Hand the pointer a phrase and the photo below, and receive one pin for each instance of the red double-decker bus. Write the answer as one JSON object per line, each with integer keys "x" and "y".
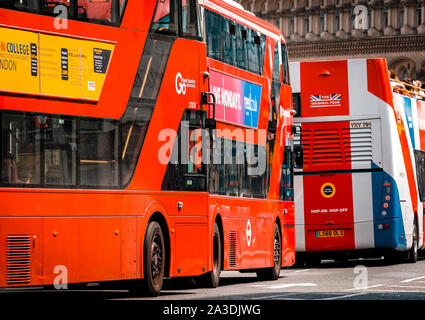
{"x": 142, "y": 140}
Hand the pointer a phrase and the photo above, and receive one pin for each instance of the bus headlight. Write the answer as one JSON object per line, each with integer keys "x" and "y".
{"x": 384, "y": 213}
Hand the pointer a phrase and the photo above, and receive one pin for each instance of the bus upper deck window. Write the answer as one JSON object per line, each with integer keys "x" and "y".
{"x": 285, "y": 65}
{"x": 189, "y": 18}
{"x": 105, "y": 11}
{"x": 95, "y": 9}
{"x": 165, "y": 18}
{"x": 50, "y": 5}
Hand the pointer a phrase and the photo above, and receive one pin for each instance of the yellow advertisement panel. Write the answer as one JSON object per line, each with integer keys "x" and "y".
{"x": 36, "y": 63}
{"x": 18, "y": 61}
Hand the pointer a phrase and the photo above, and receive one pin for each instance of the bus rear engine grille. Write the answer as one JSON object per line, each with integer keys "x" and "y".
{"x": 18, "y": 259}
{"x": 337, "y": 146}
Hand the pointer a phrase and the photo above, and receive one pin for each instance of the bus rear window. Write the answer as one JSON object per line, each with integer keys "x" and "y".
{"x": 97, "y": 11}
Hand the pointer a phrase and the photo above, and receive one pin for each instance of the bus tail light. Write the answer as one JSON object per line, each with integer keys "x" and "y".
{"x": 383, "y": 226}
{"x": 386, "y": 208}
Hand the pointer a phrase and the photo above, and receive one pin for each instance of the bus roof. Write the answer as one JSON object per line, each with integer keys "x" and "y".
{"x": 239, "y": 14}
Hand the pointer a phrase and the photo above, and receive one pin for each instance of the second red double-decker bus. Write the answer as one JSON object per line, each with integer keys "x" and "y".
{"x": 142, "y": 140}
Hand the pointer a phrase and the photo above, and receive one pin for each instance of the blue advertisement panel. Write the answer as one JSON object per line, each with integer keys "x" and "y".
{"x": 237, "y": 101}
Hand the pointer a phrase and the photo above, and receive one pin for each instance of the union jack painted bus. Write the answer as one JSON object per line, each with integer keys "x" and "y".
{"x": 361, "y": 189}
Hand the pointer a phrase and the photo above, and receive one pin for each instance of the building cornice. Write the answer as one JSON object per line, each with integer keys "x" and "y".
{"x": 311, "y": 49}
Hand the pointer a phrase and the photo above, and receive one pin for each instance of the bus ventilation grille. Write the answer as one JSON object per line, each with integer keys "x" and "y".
{"x": 232, "y": 248}
{"x": 18, "y": 265}
{"x": 337, "y": 146}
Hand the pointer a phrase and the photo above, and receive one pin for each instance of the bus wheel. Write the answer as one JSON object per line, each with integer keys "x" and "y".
{"x": 154, "y": 259}
{"x": 212, "y": 278}
{"x": 413, "y": 253}
{"x": 274, "y": 272}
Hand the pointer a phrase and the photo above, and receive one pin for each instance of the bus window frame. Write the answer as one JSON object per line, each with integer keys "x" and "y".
{"x": 201, "y": 22}
{"x": 285, "y": 80}
{"x": 242, "y": 44}
{"x": 182, "y": 34}
{"x": 170, "y": 33}
{"x": 178, "y": 33}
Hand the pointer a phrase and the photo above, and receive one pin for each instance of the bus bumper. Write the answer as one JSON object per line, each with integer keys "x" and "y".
{"x": 390, "y": 234}
{"x": 382, "y": 234}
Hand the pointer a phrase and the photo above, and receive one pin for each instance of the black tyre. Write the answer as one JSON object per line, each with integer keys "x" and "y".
{"x": 212, "y": 278}
{"x": 413, "y": 253}
{"x": 154, "y": 259}
{"x": 274, "y": 272}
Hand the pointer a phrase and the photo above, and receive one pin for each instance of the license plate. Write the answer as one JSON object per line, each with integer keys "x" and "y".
{"x": 329, "y": 233}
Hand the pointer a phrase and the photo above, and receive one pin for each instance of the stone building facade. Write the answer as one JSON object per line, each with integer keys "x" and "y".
{"x": 341, "y": 29}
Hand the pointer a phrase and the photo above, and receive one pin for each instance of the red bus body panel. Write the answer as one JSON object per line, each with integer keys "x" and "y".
{"x": 98, "y": 235}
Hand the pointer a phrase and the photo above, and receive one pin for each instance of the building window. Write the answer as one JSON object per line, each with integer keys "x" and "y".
{"x": 337, "y": 25}
{"x": 385, "y": 17}
{"x": 307, "y": 22}
{"x": 291, "y": 26}
{"x": 401, "y": 19}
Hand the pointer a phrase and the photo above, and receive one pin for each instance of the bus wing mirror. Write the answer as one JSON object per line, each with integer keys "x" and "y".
{"x": 208, "y": 98}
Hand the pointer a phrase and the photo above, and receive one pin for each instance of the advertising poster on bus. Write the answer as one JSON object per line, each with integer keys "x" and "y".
{"x": 41, "y": 64}
{"x": 237, "y": 101}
